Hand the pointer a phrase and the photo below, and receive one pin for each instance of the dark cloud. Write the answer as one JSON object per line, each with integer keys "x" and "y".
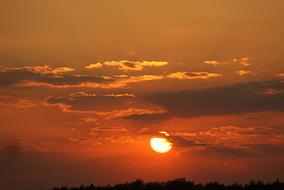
{"x": 180, "y": 141}
{"x": 110, "y": 106}
{"x": 76, "y": 79}
{"x": 10, "y": 77}
{"x": 149, "y": 118}
{"x": 129, "y": 64}
{"x": 235, "y": 99}
{"x": 88, "y": 102}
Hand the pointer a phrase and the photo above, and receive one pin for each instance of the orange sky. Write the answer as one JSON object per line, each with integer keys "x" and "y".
{"x": 84, "y": 85}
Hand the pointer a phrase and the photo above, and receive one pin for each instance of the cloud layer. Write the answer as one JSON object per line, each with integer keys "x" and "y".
{"x": 235, "y": 99}
{"x": 126, "y": 65}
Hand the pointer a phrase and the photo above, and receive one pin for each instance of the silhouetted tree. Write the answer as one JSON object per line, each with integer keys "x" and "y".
{"x": 181, "y": 184}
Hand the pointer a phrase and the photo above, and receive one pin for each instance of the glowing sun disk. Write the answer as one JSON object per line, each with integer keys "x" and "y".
{"x": 161, "y": 145}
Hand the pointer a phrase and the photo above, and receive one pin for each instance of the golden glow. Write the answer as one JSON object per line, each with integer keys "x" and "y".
{"x": 164, "y": 133}
{"x": 161, "y": 145}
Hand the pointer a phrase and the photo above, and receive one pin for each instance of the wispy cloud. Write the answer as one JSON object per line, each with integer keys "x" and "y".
{"x": 82, "y": 94}
{"x": 245, "y": 72}
{"x": 107, "y": 129}
{"x": 103, "y": 106}
{"x": 123, "y": 113}
{"x": 88, "y": 81}
{"x": 126, "y": 65}
{"x": 43, "y": 76}
{"x": 43, "y": 70}
{"x": 120, "y": 95}
{"x": 214, "y": 62}
{"x": 193, "y": 75}
{"x": 229, "y": 140}
{"x": 94, "y": 66}
{"x": 243, "y": 61}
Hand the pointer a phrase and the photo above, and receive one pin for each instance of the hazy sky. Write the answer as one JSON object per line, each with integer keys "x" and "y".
{"x": 85, "y": 84}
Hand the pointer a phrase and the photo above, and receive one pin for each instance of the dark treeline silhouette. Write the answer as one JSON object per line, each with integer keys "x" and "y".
{"x": 181, "y": 184}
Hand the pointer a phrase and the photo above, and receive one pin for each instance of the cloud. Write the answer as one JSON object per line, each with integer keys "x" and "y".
{"x": 224, "y": 140}
{"x": 121, "y": 95}
{"x": 43, "y": 70}
{"x": 105, "y": 106}
{"x": 213, "y": 62}
{"x": 150, "y": 117}
{"x": 231, "y": 141}
{"x": 193, "y": 75}
{"x": 236, "y": 136}
{"x": 139, "y": 78}
{"x": 90, "y": 102}
{"x": 97, "y": 140}
{"x": 82, "y": 94}
{"x": 235, "y": 99}
{"x": 124, "y": 113}
{"x": 180, "y": 141}
{"x": 45, "y": 76}
{"x": 126, "y": 65}
{"x": 42, "y": 76}
{"x": 244, "y": 72}
{"x": 107, "y": 129}
{"x": 79, "y": 85}
{"x": 102, "y": 135}
{"x": 27, "y": 78}
{"x": 243, "y": 61}
{"x": 94, "y": 66}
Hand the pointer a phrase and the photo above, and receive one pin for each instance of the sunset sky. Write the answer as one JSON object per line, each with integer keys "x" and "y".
{"x": 85, "y": 85}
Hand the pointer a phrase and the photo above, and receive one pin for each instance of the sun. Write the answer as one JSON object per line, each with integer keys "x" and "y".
{"x": 161, "y": 145}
